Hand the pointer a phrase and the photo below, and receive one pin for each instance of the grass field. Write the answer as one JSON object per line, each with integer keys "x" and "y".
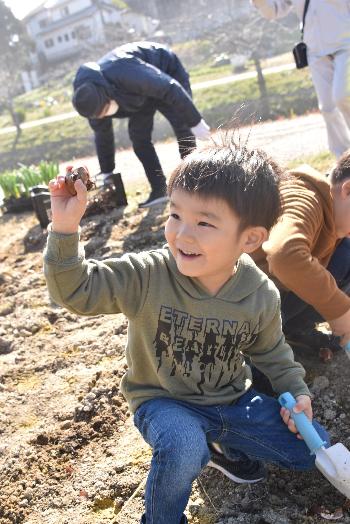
{"x": 290, "y": 93}
{"x": 323, "y": 162}
{"x": 53, "y": 98}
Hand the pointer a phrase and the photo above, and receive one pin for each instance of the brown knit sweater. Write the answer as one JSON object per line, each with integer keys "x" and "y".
{"x": 302, "y": 242}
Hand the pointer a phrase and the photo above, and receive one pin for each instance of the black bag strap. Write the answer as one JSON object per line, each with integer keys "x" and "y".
{"x": 306, "y": 5}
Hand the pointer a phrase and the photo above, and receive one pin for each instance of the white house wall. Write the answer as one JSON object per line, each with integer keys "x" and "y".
{"x": 62, "y": 27}
{"x": 64, "y": 44}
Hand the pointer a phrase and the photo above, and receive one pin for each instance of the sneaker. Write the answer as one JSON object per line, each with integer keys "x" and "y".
{"x": 241, "y": 471}
{"x": 157, "y": 196}
{"x": 313, "y": 339}
{"x": 182, "y": 521}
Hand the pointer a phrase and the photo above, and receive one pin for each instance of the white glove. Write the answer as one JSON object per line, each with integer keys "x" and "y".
{"x": 201, "y": 130}
{"x": 100, "y": 178}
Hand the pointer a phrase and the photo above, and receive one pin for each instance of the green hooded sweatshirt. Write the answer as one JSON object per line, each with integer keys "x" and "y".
{"x": 182, "y": 342}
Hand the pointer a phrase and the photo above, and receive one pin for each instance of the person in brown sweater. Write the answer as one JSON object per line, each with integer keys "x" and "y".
{"x": 308, "y": 251}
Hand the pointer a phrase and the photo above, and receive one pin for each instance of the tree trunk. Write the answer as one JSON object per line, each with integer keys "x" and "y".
{"x": 265, "y": 104}
{"x": 100, "y": 10}
{"x": 16, "y": 122}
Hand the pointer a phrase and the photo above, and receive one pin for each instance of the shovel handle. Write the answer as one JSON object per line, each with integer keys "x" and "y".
{"x": 303, "y": 424}
{"x": 347, "y": 349}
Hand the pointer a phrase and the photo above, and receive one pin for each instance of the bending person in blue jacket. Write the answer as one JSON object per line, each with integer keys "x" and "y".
{"x": 134, "y": 81}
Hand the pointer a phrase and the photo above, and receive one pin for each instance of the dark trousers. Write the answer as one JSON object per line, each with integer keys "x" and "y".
{"x": 140, "y": 132}
{"x": 294, "y": 309}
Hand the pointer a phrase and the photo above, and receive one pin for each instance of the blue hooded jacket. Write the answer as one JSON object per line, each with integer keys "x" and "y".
{"x": 135, "y": 75}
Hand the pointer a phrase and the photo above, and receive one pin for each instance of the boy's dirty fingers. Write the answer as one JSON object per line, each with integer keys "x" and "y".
{"x": 56, "y": 183}
{"x": 81, "y": 190}
{"x": 285, "y": 414}
{"x": 303, "y": 405}
{"x": 53, "y": 184}
{"x": 287, "y": 419}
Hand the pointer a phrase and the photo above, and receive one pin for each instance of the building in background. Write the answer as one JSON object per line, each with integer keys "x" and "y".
{"x": 62, "y": 29}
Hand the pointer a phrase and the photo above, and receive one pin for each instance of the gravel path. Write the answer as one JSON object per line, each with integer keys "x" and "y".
{"x": 285, "y": 140}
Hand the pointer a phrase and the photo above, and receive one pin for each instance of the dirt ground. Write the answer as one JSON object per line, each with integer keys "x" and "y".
{"x": 68, "y": 448}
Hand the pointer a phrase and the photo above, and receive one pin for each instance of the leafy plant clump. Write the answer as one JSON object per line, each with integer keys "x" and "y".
{"x": 18, "y": 183}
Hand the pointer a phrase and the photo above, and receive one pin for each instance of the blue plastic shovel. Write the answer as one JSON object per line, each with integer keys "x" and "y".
{"x": 333, "y": 462}
{"x": 347, "y": 349}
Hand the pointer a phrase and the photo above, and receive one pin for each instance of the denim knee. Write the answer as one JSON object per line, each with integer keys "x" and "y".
{"x": 184, "y": 449}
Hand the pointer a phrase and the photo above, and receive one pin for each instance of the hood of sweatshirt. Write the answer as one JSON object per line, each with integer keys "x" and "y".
{"x": 245, "y": 281}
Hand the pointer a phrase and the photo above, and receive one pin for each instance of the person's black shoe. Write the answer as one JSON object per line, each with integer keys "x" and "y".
{"x": 183, "y": 519}
{"x": 313, "y": 339}
{"x": 156, "y": 196}
{"x": 241, "y": 471}
{"x": 109, "y": 180}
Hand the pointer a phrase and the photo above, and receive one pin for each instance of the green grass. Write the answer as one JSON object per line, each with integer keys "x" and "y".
{"x": 323, "y": 162}
{"x": 290, "y": 93}
{"x": 36, "y": 104}
{"x": 56, "y": 142}
{"x": 205, "y": 72}
{"x": 120, "y": 4}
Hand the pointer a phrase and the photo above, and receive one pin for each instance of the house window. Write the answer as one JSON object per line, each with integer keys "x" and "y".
{"x": 49, "y": 43}
{"x": 59, "y": 38}
{"x": 65, "y": 11}
{"x": 66, "y": 37}
{"x": 73, "y": 34}
{"x": 43, "y": 22}
{"x": 83, "y": 32}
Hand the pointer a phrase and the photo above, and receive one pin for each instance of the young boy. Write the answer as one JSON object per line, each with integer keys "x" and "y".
{"x": 195, "y": 308}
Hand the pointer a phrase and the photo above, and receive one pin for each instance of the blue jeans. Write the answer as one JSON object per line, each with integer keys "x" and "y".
{"x": 179, "y": 433}
{"x": 292, "y": 306}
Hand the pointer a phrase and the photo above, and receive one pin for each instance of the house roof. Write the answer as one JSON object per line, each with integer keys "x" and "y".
{"x": 35, "y": 11}
{"x": 50, "y": 4}
{"x": 66, "y": 19}
{"x": 63, "y": 22}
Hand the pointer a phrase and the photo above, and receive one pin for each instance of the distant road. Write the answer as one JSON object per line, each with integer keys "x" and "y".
{"x": 201, "y": 85}
{"x": 284, "y": 140}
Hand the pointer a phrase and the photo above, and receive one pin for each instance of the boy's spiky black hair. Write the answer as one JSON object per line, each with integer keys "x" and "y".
{"x": 247, "y": 180}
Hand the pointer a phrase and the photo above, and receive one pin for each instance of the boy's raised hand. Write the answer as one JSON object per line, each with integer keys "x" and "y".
{"x": 303, "y": 404}
{"x": 67, "y": 210}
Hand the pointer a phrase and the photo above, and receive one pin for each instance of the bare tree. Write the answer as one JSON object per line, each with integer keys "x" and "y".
{"x": 254, "y": 37}
{"x": 14, "y": 55}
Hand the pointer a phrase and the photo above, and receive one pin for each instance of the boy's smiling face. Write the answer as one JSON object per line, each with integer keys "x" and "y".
{"x": 204, "y": 238}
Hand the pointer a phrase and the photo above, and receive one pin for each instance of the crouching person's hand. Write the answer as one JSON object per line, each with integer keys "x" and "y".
{"x": 303, "y": 404}
{"x": 67, "y": 210}
{"x": 341, "y": 327}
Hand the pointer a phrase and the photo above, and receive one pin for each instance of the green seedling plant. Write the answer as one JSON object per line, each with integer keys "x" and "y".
{"x": 8, "y": 183}
{"x": 17, "y": 183}
{"x": 48, "y": 171}
{"x": 27, "y": 177}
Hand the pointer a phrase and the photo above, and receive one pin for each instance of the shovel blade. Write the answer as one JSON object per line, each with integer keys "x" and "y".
{"x": 334, "y": 464}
